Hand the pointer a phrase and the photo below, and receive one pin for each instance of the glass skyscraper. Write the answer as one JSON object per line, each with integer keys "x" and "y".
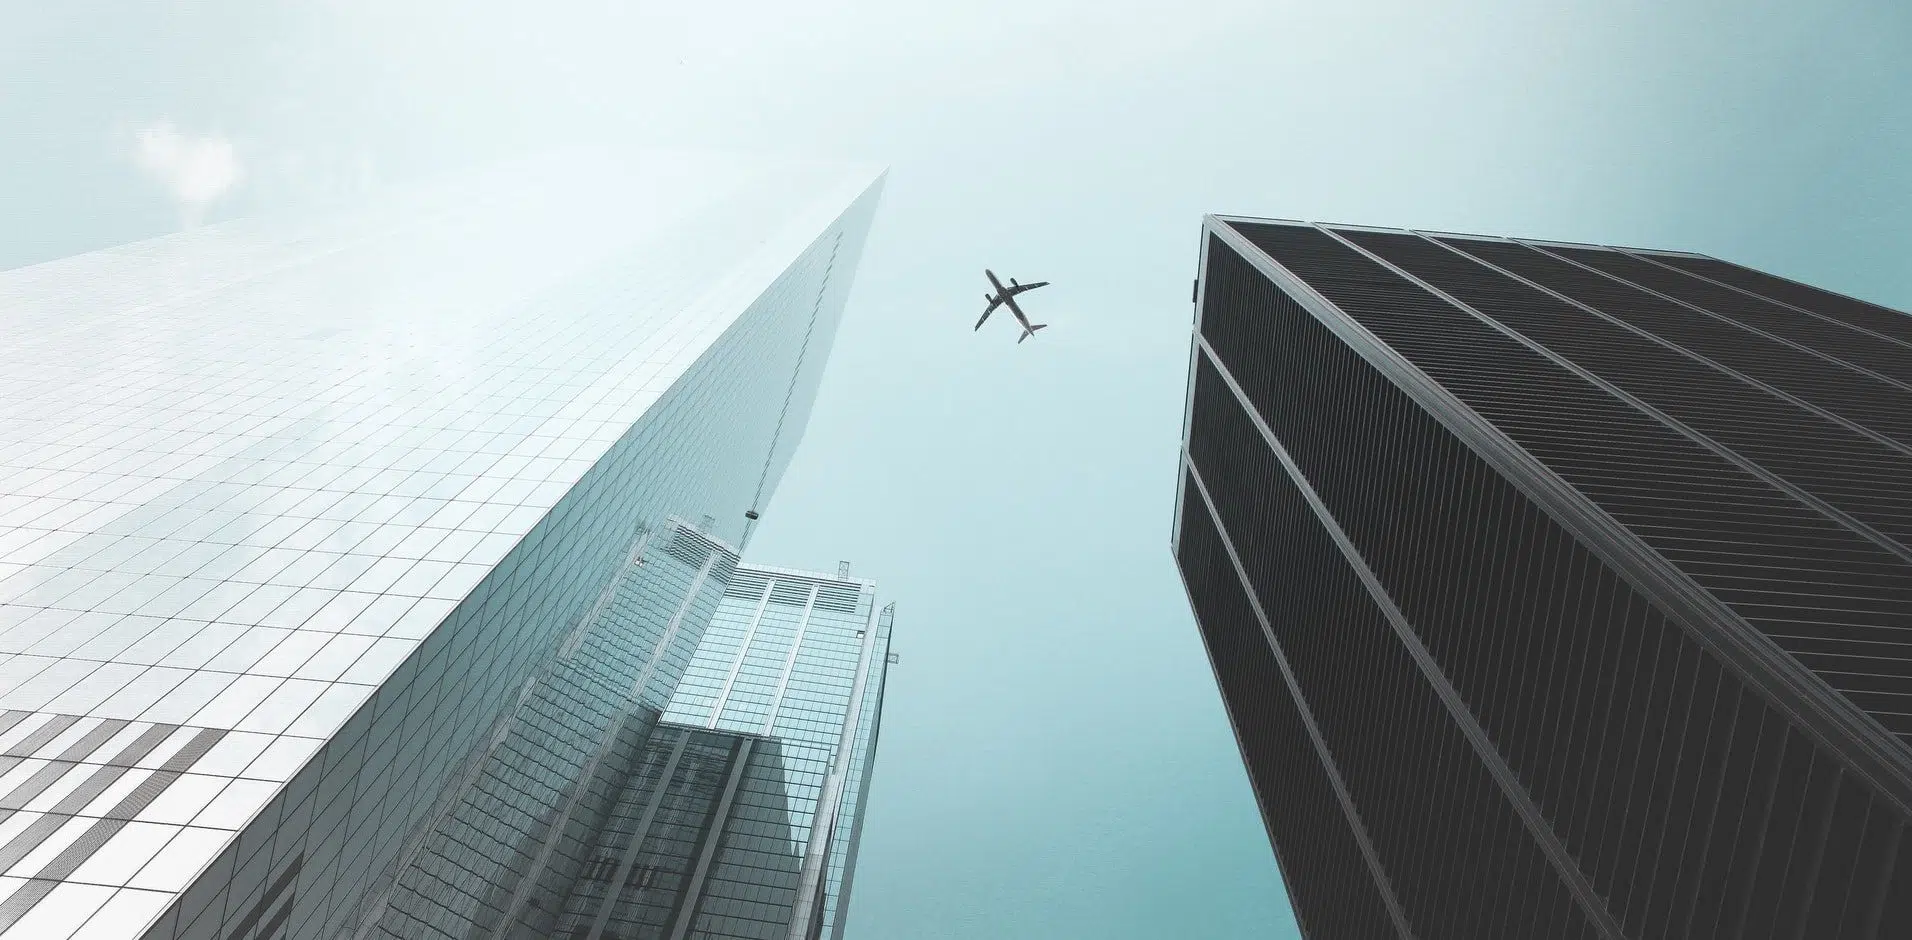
{"x": 743, "y": 815}
{"x": 1555, "y": 590}
{"x": 348, "y": 564}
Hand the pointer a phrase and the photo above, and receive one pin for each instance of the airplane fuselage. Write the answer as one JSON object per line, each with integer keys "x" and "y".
{"x": 1007, "y": 299}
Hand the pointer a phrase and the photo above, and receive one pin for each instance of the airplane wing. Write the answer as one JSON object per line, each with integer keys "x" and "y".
{"x": 993, "y": 304}
{"x": 1019, "y": 288}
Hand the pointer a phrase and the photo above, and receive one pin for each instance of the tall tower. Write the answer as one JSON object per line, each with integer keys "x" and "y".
{"x": 306, "y": 523}
{"x": 1555, "y": 590}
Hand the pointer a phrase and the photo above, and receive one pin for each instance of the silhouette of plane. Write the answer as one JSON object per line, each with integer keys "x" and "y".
{"x": 1006, "y": 296}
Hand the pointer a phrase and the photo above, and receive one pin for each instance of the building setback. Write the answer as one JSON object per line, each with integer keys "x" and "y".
{"x": 652, "y": 791}
{"x": 1555, "y": 590}
{"x": 343, "y": 558}
{"x": 761, "y": 765}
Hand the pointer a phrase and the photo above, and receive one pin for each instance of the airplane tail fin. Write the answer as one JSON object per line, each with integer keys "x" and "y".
{"x": 1031, "y": 331}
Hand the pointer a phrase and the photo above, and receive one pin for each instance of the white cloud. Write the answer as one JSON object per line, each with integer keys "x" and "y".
{"x": 196, "y": 170}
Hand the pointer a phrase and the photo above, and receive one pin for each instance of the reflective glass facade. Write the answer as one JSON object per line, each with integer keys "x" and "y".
{"x": 796, "y": 660}
{"x": 342, "y": 567}
{"x": 1555, "y": 590}
{"x": 663, "y": 793}
{"x": 512, "y": 835}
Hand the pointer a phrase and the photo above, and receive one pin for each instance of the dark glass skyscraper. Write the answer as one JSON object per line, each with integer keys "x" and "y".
{"x": 1555, "y": 590}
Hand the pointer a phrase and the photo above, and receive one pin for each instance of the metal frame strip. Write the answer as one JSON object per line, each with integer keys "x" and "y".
{"x": 823, "y": 824}
{"x": 790, "y": 662}
{"x": 694, "y": 890}
{"x": 614, "y": 891}
{"x": 743, "y": 649}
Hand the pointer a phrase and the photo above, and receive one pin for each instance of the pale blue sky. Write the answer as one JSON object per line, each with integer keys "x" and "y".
{"x": 1055, "y": 761}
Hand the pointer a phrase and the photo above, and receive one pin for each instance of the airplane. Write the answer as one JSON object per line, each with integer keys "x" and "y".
{"x": 1007, "y": 296}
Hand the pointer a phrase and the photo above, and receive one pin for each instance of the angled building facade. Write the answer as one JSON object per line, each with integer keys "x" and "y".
{"x": 742, "y": 820}
{"x": 344, "y": 565}
{"x": 513, "y": 835}
{"x": 1555, "y": 590}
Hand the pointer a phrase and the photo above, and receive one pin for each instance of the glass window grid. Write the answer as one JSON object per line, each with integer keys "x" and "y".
{"x": 280, "y": 537}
